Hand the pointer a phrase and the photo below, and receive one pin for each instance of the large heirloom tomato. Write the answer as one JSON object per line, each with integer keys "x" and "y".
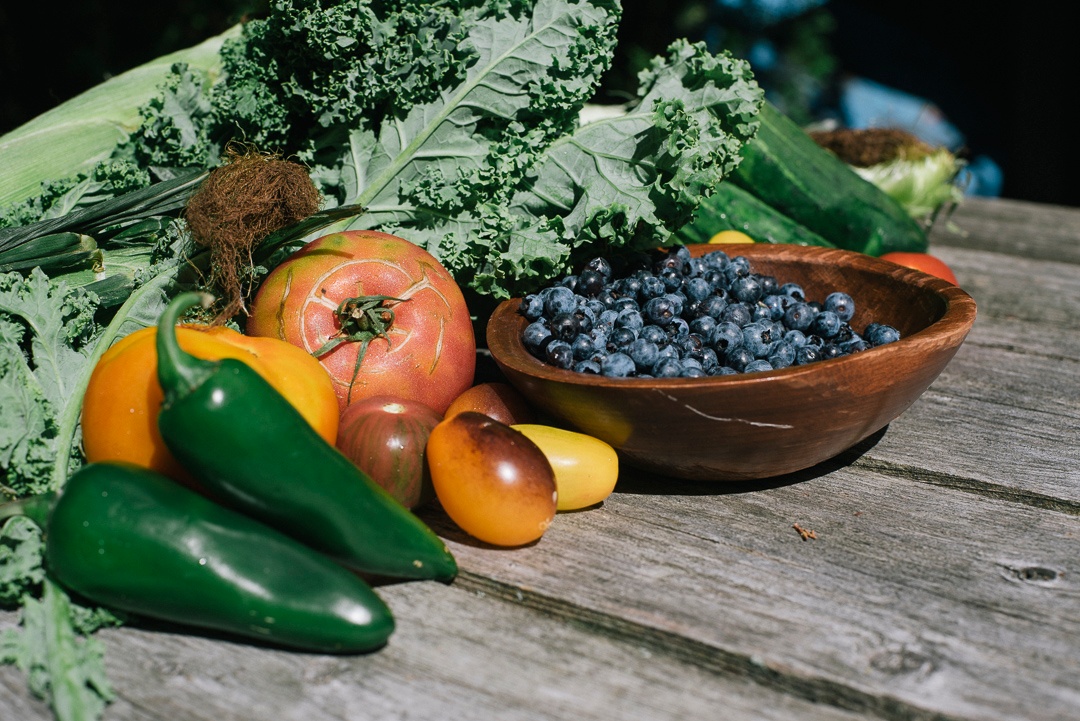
{"x": 383, "y": 316}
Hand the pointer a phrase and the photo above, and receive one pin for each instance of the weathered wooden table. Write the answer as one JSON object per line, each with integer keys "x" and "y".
{"x": 944, "y": 582}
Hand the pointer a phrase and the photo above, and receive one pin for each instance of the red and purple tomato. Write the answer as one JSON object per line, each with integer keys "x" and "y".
{"x": 381, "y": 298}
{"x": 386, "y": 438}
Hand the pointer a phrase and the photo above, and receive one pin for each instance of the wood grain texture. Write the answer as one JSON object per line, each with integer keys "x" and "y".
{"x": 943, "y": 583}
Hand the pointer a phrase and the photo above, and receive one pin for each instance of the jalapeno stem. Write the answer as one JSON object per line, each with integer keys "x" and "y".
{"x": 179, "y": 372}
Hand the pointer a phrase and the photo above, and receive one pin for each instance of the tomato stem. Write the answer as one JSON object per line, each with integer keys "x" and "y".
{"x": 361, "y": 320}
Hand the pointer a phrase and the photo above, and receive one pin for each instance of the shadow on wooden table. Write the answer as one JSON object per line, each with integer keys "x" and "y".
{"x": 645, "y": 483}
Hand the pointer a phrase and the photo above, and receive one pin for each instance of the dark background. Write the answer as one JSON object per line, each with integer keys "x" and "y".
{"x": 1002, "y": 76}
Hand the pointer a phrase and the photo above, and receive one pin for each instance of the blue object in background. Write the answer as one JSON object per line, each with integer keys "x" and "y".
{"x": 868, "y": 104}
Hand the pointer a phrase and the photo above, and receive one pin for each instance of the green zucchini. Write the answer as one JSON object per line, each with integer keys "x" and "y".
{"x": 783, "y": 167}
{"x": 729, "y": 207}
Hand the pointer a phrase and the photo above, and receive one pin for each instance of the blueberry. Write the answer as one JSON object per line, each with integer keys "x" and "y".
{"x": 601, "y": 266}
{"x": 793, "y": 290}
{"x": 692, "y": 345}
{"x": 776, "y": 304}
{"x": 532, "y": 306}
{"x": 678, "y": 300}
{"x": 558, "y": 299}
{"x": 535, "y": 336}
{"x": 697, "y": 289}
{"x": 737, "y": 313}
{"x": 831, "y": 350}
{"x": 660, "y": 311}
{"x": 783, "y": 355}
{"x": 759, "y": 364}
{"x": 798, "y": 316}
{"x": 677, "y": 328}
{"x": 712, "y": 306}
{"x": 564, "y": 326}
{"x": 758, "y": 338}
{"x": 737, "y": 267}
{"x": 587, "y": 366}
{"x": 703, "y": 325}
{"x": 667, "y": 368}
{"x": 583, "y": 346}
{"x": 617, "y": 365}
{"x": 716, "y": 259}
{"x": 807, "y": 354}
{"x": 879, "y": 334}
{"x": 690, "y": 371}
{"x": 825, "y": 324}
{"x": 630, "y": 287}
{"x": 855, "y": 345}
{"x": 795, "y": 337}
{"x": 644, "y": 353}
{"x": 630, "y": 318}
{"x": 590, "y": 283}
{"x": 709, "y": 359}
{"x": 651, "y": 287}
{"x": 725, "y": 336}
{"x": 769, "y": 285}
{"x": 653, "y": 333}
{"x": 621, "y": 338}
{"x": 747, "y": 289}
{"x": 559, "y": 354}
{"x": 586, "y": 318}
{"x": 759, "y": 311}
{"x": 841, "y": 304}
{"x": 607, "y": 297}
{"x": 669, "y": 350}
{"x": 739, "y": 357}
{"x": 671, "y": 278}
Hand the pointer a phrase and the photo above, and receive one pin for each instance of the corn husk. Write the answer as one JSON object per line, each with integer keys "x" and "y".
{"x": 76, "y": 135}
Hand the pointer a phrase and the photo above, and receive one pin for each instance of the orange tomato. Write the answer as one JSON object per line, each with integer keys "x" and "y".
{"x": 120, "y": 409}
{"x": 493, "y": 482}
{"x": 500, "y": 401}
{"x": 924, "y": 262}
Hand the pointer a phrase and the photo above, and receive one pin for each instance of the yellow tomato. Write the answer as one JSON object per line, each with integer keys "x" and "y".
{"x": 730, "y": 236}
{"x": 120, "y": 409}
{"x": 586, "y": 468}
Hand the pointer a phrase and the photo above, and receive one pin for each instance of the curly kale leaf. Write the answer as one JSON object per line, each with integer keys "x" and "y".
{"x": 507, "y": 211}
{"x": 312, "y": 67}
{"x": 63, "y": 665}
{"x": 45, "y": 346}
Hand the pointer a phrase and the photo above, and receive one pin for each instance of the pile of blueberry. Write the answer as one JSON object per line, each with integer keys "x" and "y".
{"x": 688, "y": 317}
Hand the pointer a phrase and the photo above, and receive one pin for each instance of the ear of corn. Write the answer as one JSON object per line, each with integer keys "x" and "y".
{"x": 75, "y": 135}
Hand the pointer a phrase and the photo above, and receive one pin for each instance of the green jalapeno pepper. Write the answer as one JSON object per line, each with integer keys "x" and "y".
{"x": 251, "y": 449}
{"x": 133, "y": 540}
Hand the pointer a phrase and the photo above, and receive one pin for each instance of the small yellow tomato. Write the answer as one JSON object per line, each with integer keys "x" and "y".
{"x": 730, "y": 236}
{"x": 586, "y": 468}
{"x": 492, "y": 481}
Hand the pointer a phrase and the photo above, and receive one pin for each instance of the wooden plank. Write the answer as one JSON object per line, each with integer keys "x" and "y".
{"x": 459, "y": 653}
{"x": 1004, "y": 417}
{"x": 1017, "y": 228}
{"x": 913, "y": 602}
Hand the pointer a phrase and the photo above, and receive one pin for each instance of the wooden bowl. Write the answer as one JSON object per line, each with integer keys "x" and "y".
{"x": 758, "y": 425}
